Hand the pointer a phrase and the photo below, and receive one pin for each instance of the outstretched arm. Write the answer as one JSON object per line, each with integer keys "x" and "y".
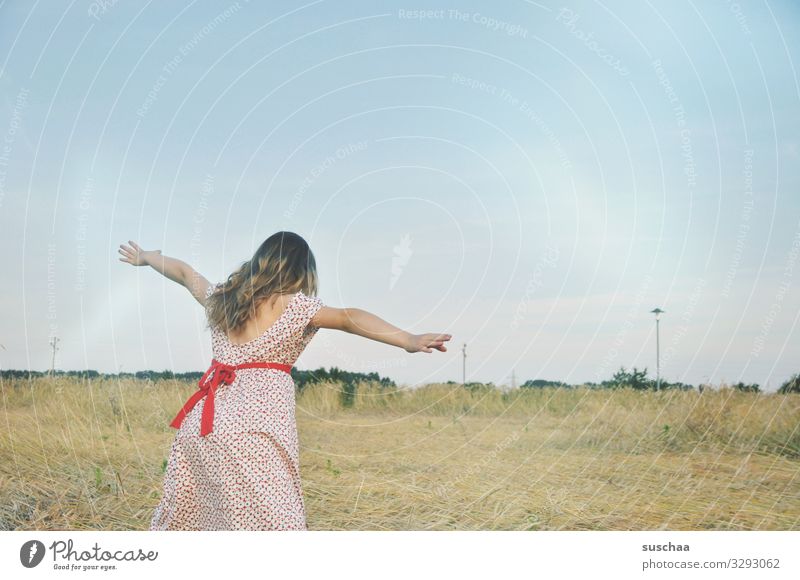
{"x": 366, "y": 324}
{"x": 172, "y": 268}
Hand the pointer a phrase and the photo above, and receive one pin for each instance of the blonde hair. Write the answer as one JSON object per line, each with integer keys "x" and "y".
{"x": 283, "y": 264}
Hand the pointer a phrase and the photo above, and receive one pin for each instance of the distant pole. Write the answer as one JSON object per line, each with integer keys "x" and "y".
{"x": 513, "y": 380}
{"x": 54, "y": 344}
{"x": 657, "y": 311}
{"x": 464, "y": 364}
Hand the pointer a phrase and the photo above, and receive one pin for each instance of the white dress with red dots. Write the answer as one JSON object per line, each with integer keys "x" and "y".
{"x": 244, "y": 472}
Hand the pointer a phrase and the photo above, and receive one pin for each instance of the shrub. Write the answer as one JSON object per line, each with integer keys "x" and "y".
{"x": 791, "y": 386}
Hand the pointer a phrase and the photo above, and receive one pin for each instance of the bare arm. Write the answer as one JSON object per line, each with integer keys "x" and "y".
{"x": 366, "y": 324}
{"x": 172, "y": 268}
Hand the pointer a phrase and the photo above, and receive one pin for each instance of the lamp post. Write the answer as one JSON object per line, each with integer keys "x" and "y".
{"x": 464, "y": 365}
{"x": 657, "y": 312}
{"x": 54, "y": 344}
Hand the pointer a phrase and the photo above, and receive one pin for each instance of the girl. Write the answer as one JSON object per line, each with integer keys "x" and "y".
{"x": 234, "y": 462}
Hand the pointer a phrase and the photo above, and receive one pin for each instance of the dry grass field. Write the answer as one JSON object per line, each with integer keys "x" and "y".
{"x": 79, "y": 454}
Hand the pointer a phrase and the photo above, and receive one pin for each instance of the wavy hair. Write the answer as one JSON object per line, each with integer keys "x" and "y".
{"x": 283, "y": 264}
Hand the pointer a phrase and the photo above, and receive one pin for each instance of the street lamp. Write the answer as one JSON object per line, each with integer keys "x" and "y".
{"x": 464, "y": 365}
{"x": 657, "y": 312}
{"x": 54, "y": 344}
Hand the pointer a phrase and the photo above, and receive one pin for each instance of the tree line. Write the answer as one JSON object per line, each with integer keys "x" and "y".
{"x": 630, "y": 378}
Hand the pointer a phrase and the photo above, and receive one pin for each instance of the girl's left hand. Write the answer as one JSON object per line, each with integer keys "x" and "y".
{"x": 428, "y": 342}
{"x": 135, "y": 255}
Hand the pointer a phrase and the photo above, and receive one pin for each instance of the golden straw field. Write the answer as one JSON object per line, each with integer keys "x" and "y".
{"x": 89, "y": 454}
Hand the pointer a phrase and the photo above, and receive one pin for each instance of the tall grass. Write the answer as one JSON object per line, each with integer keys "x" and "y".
{"x": 90, "y": 454}
{"x": 636, "y": 421}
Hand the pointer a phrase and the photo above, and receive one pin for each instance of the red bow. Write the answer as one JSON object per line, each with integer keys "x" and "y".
{"x": 220, "y": 374}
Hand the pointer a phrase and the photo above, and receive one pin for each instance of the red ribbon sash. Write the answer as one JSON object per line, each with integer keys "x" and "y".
{"x": 216, "y": 374}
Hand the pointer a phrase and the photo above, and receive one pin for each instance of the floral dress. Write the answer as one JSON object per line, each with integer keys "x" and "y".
{"x": 245, "y": 473}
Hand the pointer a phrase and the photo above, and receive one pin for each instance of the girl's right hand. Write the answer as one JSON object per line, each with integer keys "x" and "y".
{"x": 135, "y": 255}
{"x": 428, "y": 342}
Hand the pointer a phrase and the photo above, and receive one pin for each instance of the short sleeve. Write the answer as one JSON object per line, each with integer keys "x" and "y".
{"x": 209, "y": 291}
{"x": 309, "y": 306}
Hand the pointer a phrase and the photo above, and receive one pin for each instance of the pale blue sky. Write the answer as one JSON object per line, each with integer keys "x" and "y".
{"x": 539, "y": 175}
